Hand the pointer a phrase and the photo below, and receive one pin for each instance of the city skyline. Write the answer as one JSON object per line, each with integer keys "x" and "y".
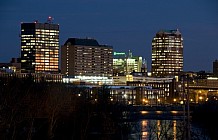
{"x": 128, "y": 25}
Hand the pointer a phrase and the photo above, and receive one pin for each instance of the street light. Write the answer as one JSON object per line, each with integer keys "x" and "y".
{"x": 174, "y": 100}
{"x": 201, "y": 98}
{"x": 145, "y": 101}
{"x": 158, "y": 101}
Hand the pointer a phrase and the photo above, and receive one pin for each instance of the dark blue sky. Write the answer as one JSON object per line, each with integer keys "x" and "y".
{"x": 124, "y": 24}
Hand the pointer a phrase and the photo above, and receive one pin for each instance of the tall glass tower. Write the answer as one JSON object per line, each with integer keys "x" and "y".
{"x": 167, "y": 54}
{"x": 39, "y": 47}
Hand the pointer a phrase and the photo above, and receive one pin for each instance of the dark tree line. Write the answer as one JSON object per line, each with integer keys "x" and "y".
{"x": 25, "y": 104}
{"x": 46, "y": 110}
{"x": 205, "y": 115}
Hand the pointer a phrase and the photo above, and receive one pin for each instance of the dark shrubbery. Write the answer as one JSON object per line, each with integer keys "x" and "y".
{"x": 206, "y": 116}
{"x": 30, "y": 110}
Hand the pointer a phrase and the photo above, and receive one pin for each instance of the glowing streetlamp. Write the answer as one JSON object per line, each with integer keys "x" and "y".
{"x": 158, "y": 101}
{"x": 145, "y": 101}
{"x": 200, "y": 98}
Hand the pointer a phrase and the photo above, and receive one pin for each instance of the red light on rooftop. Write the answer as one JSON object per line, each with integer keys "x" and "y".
{"x": 50, "y": 19}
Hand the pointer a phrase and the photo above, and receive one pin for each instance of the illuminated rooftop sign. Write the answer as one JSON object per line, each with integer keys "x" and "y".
{"x": 119, "y": 53}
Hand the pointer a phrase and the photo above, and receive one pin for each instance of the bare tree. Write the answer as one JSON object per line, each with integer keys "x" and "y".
{"x": 58, "y": 101}
{"x": 13, "y": 94}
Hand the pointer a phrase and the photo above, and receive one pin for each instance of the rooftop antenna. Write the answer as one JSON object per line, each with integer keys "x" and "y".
{"x": 36, "y": 21}
{"x": 50, "y": 20}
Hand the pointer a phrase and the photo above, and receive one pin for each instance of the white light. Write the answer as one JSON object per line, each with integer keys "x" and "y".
{"x": 212, "y": 78}
{"x": 125, "y": 95}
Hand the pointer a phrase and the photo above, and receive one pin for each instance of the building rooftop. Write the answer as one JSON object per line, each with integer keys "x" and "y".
{"x": 169, "y": 32}
{"x": 82, "y": 42}
{"x": 5, "y": 65}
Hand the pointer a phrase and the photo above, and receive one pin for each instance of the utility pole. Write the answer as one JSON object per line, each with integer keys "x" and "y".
{"x": 184, "y": 112}
{"x": 188, "y": 111}
{"x": 186, "y": 107}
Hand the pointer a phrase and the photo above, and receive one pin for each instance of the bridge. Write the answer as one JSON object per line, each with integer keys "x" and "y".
{"x": 202, "y": 93}
{"x": 203, "y": 87}
{"x": 172, "y": 112}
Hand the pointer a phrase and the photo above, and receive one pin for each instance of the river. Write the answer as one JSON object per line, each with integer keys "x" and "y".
{"x": 174, "y": 128}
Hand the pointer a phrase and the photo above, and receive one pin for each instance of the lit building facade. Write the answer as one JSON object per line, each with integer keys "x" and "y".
{"x": 13, "y": 67}
{"x": 85, "y": 59}
{"x": 39, "y": 47}
{"x": 165, "y": 87}
{"x": 36, "y": 77}
{"x": 125, "y": 64}
{"x": 167, "y": 54}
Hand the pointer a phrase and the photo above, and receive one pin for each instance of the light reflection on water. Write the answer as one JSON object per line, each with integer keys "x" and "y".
{"x": 174, "y": 129}
{"x": 158, "y": 129}
{"x": 161, "y": 130}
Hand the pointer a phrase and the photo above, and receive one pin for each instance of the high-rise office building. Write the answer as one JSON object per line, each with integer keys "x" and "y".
{"x": 39, "y": 47}
{"x": 167, "y": 53}
{"x": 124, "y": 64}
{"x": 86, "y": 59}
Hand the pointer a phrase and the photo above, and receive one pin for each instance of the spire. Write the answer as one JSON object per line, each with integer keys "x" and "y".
{"x": 130, "y": 54}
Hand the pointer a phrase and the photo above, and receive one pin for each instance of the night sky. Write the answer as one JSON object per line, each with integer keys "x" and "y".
{"x": 123, "y": 24}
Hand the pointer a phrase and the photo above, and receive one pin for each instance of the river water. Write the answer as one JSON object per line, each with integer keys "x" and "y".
{"x": 149, "y": 129}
